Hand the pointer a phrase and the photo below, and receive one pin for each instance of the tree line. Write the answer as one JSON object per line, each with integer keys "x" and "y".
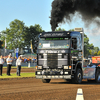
{"x": 20, "y": 36}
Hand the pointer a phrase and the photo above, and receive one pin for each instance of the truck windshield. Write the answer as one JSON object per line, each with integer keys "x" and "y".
{"x": 53, "y": 43}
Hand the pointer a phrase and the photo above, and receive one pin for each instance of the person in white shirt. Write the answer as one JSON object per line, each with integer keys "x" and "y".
{"x": 1, "y": 64}
{"x": 18, "y": 64}
{"x": 9, "y": 63}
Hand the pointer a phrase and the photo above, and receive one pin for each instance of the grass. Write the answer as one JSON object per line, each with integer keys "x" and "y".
{"x": 13, "y": 75}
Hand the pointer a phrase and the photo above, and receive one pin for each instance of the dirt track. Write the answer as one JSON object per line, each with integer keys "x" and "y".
{"x": 13, "y": 70}
{"x": 34, "y": 89}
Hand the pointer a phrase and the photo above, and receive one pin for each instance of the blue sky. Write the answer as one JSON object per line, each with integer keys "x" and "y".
{"x": 29, "y": 11}
{"x": 33, "y": 12}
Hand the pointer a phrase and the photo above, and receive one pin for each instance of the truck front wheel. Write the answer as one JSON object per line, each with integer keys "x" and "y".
{"x": 46, "y": 80}
{"x": 78, "y": 76}
{"x": 97, "y": 76}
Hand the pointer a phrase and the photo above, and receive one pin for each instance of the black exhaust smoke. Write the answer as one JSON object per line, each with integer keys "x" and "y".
{"x": 65, "y": 9}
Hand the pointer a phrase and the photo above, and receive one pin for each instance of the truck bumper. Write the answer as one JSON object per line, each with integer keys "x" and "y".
{"x": 53, "y": 76}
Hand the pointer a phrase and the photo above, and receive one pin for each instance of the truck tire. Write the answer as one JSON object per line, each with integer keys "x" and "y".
{"x": 97, "y": 78}
{"x": 78, "y": 76}
{"x": 46, "y": 80}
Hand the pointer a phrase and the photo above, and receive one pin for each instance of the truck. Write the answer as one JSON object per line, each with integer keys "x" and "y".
{"x": 60, "y": 55}
{"x": 95, "y": 59}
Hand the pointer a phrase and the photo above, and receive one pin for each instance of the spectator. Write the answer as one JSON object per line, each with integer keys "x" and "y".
{"x": 22, "y": 59}
{"x": 25, "y": 60}
{"x": 9, "y": 63}
{"x": 18, "y": 64}
{"x": 33, "y": 60}
{"x": 30, "y": 59}
{"x": 5, "y": 59}
{"x": 1, "y": 64}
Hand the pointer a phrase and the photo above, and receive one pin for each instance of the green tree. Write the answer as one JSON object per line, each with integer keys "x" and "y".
{"x": 86, "y": 44}
{"x": 14, "y": 35}
{"x": 1, "y": 44}
{"x": 95, "y": 53}
{"x": 98, "y": 53}
{"x": 60, "y": 29}
{"x": 20, "y": 36}
{"x": 86, "y": 40}
{"x": 91, "y": 46}
{"x": 32, "y": 33}
{"x": 96, "y": 49}
{"x": 71, "y": 30}
{"x": 90, "y": 52}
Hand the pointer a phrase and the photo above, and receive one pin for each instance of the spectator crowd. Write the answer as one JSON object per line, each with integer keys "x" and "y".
{"x": 9, "y": 60}
{"x": 24, "y": 59}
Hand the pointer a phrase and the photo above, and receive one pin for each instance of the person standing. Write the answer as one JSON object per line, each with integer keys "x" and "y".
{"x": 9, "y": 63}
{"x": 18, "y": 64}
{"x": 1, "y": 64}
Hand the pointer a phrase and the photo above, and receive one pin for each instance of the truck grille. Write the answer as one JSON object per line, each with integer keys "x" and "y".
{"x": 52, "y": 60}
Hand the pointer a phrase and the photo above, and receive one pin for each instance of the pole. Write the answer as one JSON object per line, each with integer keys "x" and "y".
{"x": 5, "y": 47}
{"x": 4, "y": 52}
{"x": 29, "y": 65}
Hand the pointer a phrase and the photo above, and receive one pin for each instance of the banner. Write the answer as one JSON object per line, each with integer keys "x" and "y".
{"x": 17, "y": 50}
{"x": 31, "y": 47}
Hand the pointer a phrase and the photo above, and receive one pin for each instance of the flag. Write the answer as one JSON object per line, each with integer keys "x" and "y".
{"x": 31, "y": 47}
{"x": 17, "y": 50}
{"x": 5, "y": 46}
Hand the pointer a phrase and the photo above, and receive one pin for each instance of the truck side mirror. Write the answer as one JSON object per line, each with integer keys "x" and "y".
{"x": 74, "y": 43}
{"x": 75, "y": 40}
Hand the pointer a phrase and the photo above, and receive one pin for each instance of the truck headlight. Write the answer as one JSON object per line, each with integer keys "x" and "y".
{"x": 65, "y": 67}
{"x": 63, "y": 51}
{"x": 38, "y": 73}
{"x": 66, "y": 72}
{"x": 39, "y": 67}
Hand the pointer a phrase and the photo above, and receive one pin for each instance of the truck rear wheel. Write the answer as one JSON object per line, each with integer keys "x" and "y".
{"x": 46, "y": 80}
{"x": 98, "y": 76}
{"x": 78, "y": 76}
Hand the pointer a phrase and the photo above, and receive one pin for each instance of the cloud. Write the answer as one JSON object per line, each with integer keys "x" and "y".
{"x": 93, "y": 35}
{"x": 93, "y": 31}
